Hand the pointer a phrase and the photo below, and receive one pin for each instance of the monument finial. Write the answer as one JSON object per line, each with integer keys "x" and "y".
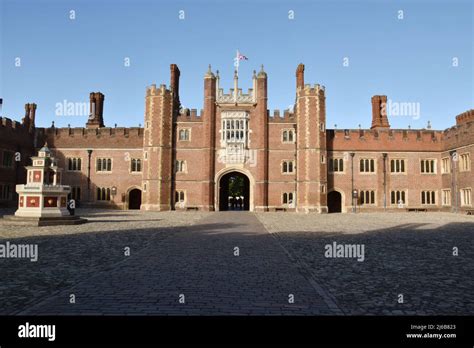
{"x": 262, "y": 72}
{"x": 209, "y": 72}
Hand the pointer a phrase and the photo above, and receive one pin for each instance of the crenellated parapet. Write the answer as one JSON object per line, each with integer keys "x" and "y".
{"x": 384, "y": 139}
{"x": 9, "y": 123}
{"x": 315, "y": 89}
{"x": 80, "y": 137}
{"x": 157, "y": 91}
{"x": 189, "y": 115}
{"x": 462, "y": 134}
{"x": 277, "y": 117}
{"x": 467, "y": 116}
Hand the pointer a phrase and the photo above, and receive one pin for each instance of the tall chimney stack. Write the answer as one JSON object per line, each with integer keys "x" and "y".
{"x": 300, "y": 76}
{"x": 96, "y": 119}
{"x": 379, "y": 112}
{"x": 174, "y": 84}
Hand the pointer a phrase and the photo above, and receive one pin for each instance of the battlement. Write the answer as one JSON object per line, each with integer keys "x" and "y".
{"x": 8, "y": 123}
{"x": 99, "y": 132}
{"x": 384, "y": 139}
{"x": 153, "y": 90}
{"x": 189, "y": 115}
{"x": 288, "y": 116}
{"x": 314, "y": 89}
{"x": 459, "y": 135}
{"x": 93, "y": 137}
{"x": 424, "y": 135}
{"x": 466, "y": 116}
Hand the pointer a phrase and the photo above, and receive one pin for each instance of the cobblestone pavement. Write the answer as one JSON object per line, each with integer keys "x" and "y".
{"x": 192, "y": 254}
{"x": 405, "y": 253}
{"x": 69, "y": 254}
{"x": 198, "y": 261}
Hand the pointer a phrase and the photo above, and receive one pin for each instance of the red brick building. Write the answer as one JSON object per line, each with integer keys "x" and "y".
{"x": 287, "y": 161}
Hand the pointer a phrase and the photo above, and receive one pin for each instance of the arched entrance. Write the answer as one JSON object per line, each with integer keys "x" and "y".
{"x": 234, "y": 192}
{"x": 334, "y": 202}
{"x": 134, "y": 199}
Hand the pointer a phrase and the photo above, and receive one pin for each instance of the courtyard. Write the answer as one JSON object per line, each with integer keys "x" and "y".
{"x": 242, "y": 263}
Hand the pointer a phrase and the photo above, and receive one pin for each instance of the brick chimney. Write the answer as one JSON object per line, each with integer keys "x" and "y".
{"x": 96, "y": 119}
{"x": 300, "y": 76}
{"x": 29, "y": 119}
{"x": 379, "y": 112}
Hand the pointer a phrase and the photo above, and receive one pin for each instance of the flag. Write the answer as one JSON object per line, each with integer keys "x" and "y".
{"x": 241, "y": 56}
{"x": 238, "y": 58}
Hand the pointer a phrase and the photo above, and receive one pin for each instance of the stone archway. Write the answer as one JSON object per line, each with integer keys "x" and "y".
{"x": 234, "y": 191}
{"x": 134, "y": 199}
{"x": 334, "y": 202}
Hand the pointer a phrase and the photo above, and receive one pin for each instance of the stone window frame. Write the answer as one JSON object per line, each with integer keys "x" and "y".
{"x": 235, "y": 122}
{"x": 104, "y": 171}
{"x": 371, "y": 160}
{"x": 185, "y": 130}
{"x": 178, "y": 194}
{"x": 449, "y": 167}
{"x": 331, "y": 165}
{"x": 282, "y": 166}
{"x": 405, "y": 193}
{"x": 184, "y": 166}
{"x": 9, "y": 191}
{"x": 289, "y": 130}
{"x": 405, "y": 166}
{"x": 369, "y": 191}
{"x": 446, "y": 193}
{"x": 72, "y": 158}
{"x": 292, "y": 193}
{"x": 75, "y": 193}
{"x": 105, "y": 194}
{"x": 429, "y": 196}
{"x": 462, "y": 196}
{"x": 424, "y": 161}
{"x": 131, "y": 171}
{"x": 12, "y": 165}
{"x": 466, "y": 168}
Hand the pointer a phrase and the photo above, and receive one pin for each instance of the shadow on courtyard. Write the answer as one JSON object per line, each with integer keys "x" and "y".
{"x": 409, "y": 259}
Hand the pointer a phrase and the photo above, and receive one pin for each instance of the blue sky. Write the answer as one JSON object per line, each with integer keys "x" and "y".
{"x": 408, "y": 60}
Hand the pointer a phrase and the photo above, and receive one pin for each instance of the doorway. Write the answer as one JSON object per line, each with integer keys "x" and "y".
{"x": 234, "y": 192}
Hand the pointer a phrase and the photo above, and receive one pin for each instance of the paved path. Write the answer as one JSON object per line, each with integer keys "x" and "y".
{"x": 198, "y": 261}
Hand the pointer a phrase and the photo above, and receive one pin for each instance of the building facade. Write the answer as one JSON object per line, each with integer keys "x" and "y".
{"x": 181, "y": 159}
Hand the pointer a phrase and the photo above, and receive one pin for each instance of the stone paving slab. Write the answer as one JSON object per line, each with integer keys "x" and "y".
{"x": 198, "y": 261}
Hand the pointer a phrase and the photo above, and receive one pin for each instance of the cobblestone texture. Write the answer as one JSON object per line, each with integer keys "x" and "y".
{"x": 69, "y": 254}
{"x": 405, "y": 253}
{"x": 197, "y": 261}
{"x": 192, "y": 253}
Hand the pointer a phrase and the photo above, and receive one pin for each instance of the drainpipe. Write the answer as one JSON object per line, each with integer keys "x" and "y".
{"x": 384, "y": 180}
{"x": 453, "y": 156}
{"x": 352, "y": 181}
{"x": 89, "y": 154}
